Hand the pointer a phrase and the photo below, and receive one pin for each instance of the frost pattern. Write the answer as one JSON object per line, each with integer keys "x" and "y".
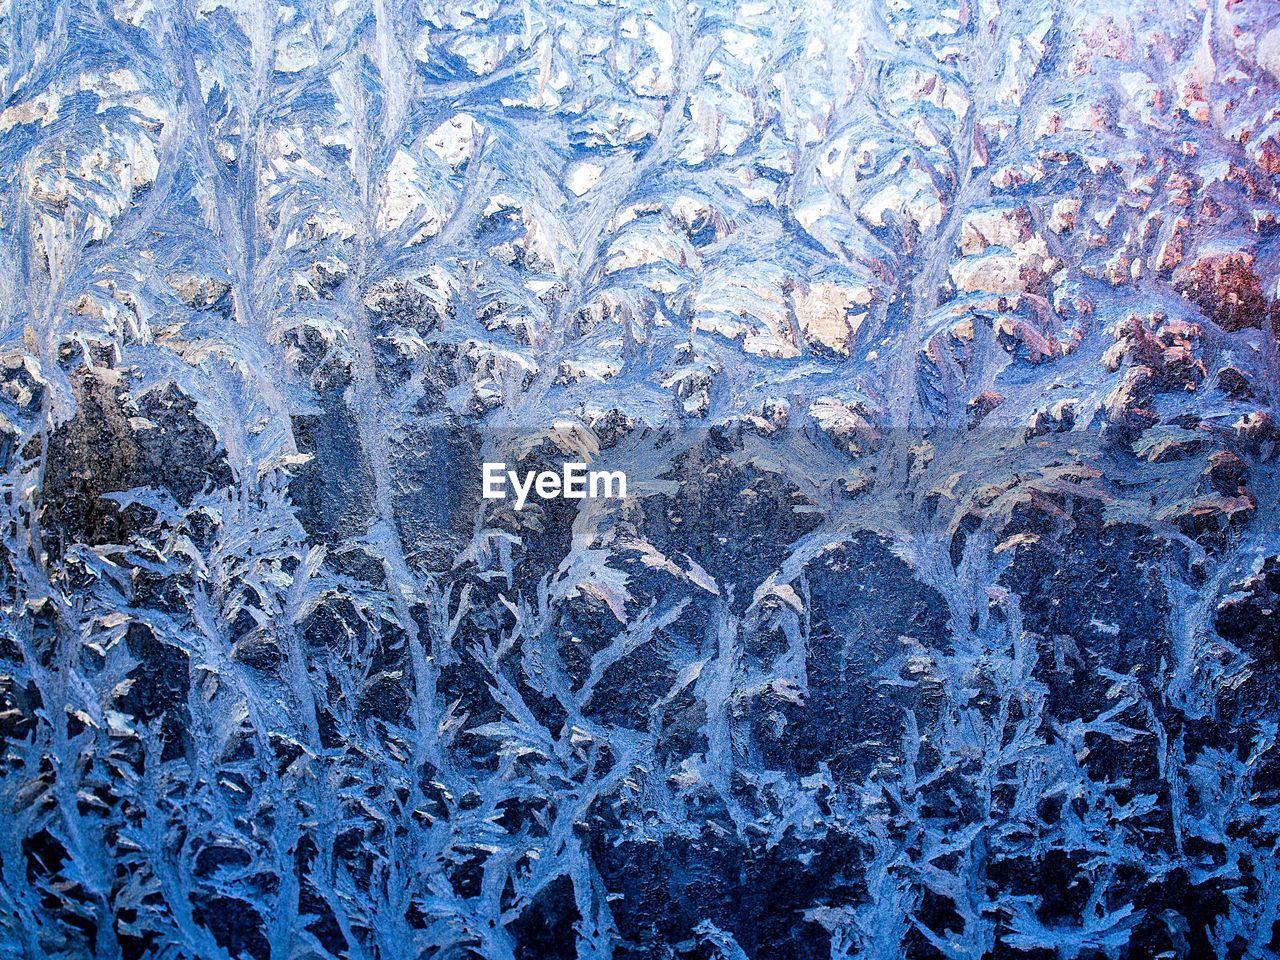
{"x": 943, "y": 338}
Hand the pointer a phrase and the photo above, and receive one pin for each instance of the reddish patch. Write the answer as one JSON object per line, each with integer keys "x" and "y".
{"x": 1228, "y": 290}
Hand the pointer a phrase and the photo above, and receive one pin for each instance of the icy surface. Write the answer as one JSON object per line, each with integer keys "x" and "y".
{"x": 939, "y": 340}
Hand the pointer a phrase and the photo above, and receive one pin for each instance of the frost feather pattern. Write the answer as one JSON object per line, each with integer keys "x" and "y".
{"x": 938, "y": 343}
